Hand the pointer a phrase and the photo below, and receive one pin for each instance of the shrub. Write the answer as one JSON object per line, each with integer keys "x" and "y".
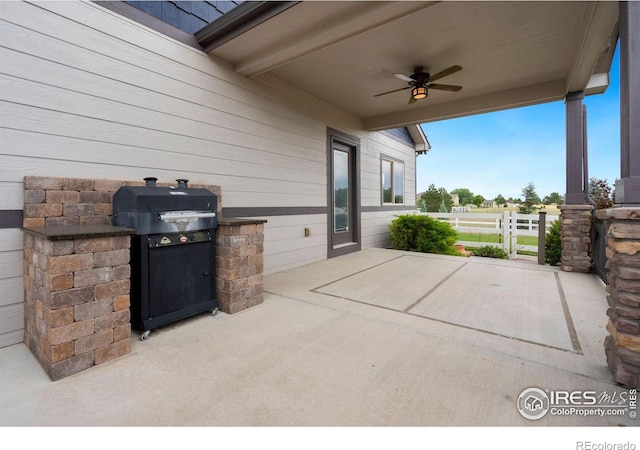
{"x": 553, "y": 244}
{"x": 601, "y": 192}
{"x": 489, "y": 251}
{"x": 424, "y": 234}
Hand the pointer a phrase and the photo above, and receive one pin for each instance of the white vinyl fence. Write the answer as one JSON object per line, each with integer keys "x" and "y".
{"x": 507, "y": 226}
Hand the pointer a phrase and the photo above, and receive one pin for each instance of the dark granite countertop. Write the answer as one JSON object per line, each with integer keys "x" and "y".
{"x": 68, "y": 232}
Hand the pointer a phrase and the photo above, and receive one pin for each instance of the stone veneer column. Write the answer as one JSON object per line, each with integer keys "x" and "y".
{"x": 76, "y": 283}
{"x": 576, "y": 238}
{"x": 239, "y": 263}
{"x": 622, "y": 346}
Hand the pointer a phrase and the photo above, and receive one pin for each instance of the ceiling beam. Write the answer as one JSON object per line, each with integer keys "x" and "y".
{"x": 239, "y": 20}
{"x": 526, "y": 96}
{"x": 368, "y": 16}
{"x": 594, "y": 39}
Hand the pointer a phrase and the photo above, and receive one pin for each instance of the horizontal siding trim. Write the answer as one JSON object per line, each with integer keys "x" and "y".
{"x": 263, "y": 211}
{"x": 388, "y": 208}
{"x": 11, "y": 218}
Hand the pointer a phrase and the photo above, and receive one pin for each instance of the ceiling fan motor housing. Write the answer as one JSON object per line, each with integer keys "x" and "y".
{"x": 420, "y": 76}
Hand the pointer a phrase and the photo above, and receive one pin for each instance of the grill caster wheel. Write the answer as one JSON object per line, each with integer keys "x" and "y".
{"x": 145, "y": 335}
{"x": 214, "y": 312}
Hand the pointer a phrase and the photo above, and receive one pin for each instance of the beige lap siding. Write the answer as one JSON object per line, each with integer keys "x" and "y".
{"x": 89, "y": 93}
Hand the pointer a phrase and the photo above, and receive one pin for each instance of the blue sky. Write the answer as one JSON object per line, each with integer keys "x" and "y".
{"x": 501, "y": 152}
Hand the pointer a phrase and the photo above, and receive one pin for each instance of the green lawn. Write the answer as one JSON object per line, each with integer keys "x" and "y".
{"x": 494, "y": 238}
{"x": 549, "y": 209}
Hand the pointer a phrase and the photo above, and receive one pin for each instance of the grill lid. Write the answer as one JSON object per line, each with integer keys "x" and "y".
{"x": 152, "y": 209}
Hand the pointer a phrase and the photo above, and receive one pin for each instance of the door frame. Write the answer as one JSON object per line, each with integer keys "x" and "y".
{"x": 335, "y": 136}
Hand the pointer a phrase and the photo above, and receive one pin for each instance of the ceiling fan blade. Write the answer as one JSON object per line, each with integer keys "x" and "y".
{"x": 412, "y": 100}
{"x": 403, "y": 77}
{"x": 445, "y": 87}
{"x": 390, "y": 92}
{"x": 444, "y": 73}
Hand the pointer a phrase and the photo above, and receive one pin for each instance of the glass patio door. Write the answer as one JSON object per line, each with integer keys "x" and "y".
{"x": 343, "y": 194}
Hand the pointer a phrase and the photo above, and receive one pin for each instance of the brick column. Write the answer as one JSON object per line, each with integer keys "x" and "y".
{"x": 576, "y": 238}
{"x": 622, "y": 346}
{"x": 76, "y": 297}
{"x": 239, "y": 263}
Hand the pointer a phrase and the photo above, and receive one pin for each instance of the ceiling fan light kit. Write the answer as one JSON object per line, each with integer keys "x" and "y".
{"x": 419, "y": 92}
{"x": 418, "y": 83}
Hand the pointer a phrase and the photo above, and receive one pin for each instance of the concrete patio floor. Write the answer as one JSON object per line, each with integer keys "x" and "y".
{"x": 374, "y": 338}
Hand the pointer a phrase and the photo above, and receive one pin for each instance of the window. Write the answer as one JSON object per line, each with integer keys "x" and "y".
{"x": 392, "y": 182}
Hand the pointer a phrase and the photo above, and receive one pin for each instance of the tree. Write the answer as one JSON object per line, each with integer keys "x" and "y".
{"x": 553, "y": 243}
{"x": 601, "y": 192}
{"x": 465, "y": 195}
{"x": 500, "y": 200}
{"x": 554, "y": 197}
{"x": 477, "y": 200}
{"x": 530, "y": 199}
{"x": 431, "y": 199}
{"x": 436, "y": 199}
{"x": 447, "y": 201}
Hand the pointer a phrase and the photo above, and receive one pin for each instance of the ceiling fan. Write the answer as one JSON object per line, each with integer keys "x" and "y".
{"x": 420, "y": 83}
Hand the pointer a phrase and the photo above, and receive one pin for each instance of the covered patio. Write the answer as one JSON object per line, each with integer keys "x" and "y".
{"x": 497, "y": 55}
{"x": 374, "y": 338}
{"x": 377, "y": 337}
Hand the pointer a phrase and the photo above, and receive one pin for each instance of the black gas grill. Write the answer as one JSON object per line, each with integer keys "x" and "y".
{"x": 173, "y": 252}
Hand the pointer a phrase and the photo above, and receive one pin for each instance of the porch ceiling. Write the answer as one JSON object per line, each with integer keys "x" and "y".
{"x": 512, "y": 53}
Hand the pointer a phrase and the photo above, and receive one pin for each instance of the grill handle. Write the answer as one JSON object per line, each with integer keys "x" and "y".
{"x": 178, "y": 217}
